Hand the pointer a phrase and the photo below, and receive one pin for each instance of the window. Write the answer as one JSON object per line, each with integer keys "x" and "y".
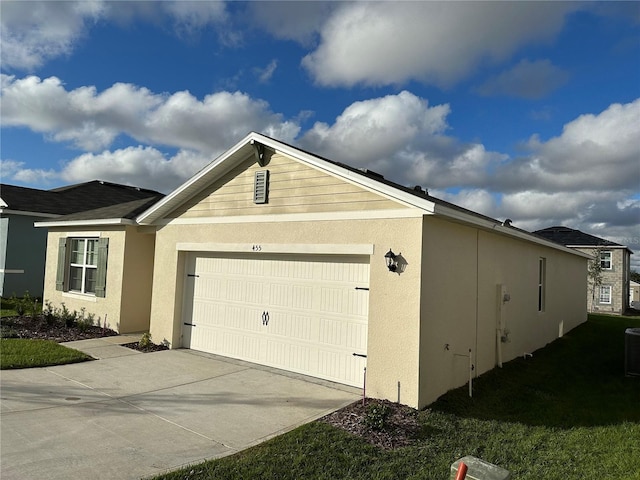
{"x": 605, "y": 260}
{"x": 82, "y": 265}
{"x": 542, "y": 273}
{"x": 605, "y": 294}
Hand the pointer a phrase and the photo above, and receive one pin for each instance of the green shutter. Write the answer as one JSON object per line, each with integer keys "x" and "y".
{"x": 62, "y": 263}
{"x": 101, "y": 274}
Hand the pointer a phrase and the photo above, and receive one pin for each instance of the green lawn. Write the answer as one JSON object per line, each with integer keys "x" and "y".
{"x": 568, "y": 412}
{"x": 27, "y": 353}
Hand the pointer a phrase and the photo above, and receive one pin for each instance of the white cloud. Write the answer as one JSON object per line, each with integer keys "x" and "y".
{"x": 299, "y": 21}
{"x": 92, "y": 120}
{"x": 439, "y": 43}
{"x": 265, "y": 74}
{"x": 403, "y": 138}
{"x": 33, "y": 32}
{"x": 532, "y": 80}
{"x": 594, "y": 152}
{"x": 141, "y": 166}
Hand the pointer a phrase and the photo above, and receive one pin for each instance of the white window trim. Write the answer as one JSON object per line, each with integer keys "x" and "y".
{"x": 542, "y": 281}
{"x": 84, "y": 266}
{"x": 610, "y": 295}
{"x": 607, "y": 252}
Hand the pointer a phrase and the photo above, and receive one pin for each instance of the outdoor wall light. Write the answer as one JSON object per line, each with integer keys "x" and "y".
{"x": 392, "y": 260}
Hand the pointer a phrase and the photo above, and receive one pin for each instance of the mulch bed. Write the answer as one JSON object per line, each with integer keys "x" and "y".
{"x": 401, "y": 427}
{"x": 38, "y": 328}
{"x": 149, "y": 348}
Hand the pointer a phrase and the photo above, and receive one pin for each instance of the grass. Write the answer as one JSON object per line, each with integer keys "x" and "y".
{"x": 568, "y": 412}
{"x": 9, "y": 306}
{"x": 28, "y": 353}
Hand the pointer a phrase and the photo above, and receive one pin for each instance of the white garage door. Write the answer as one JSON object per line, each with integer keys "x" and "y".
{"x": 306, "y": 314}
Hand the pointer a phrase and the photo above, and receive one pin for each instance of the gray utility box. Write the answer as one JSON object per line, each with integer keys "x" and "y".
{"x": 479, "y": 470}
{"x": 632, "y": 352}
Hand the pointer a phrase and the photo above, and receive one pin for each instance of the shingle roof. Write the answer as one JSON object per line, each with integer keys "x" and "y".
{"x": 73, "y": 198}
{"x": 570, "y": 237}
{"x": 128, "y": 210}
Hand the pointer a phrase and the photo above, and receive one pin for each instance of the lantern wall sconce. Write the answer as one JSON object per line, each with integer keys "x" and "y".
{"x": 392, "y": 260}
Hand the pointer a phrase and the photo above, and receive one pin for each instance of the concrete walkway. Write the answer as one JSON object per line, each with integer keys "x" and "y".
{"x": 131, "y": 415}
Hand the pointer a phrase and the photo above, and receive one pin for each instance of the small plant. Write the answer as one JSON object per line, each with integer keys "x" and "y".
{"x": 85, "y": 322}
{"x": 50, "y": 313}
{"x": 68, "y": 318}
{"x": 145, "y": 341}
{"x": 376, "y": 416}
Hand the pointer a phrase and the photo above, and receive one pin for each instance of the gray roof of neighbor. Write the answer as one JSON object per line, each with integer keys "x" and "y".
{"x": 73, "y": 199}
{"x": 568, "y": 236}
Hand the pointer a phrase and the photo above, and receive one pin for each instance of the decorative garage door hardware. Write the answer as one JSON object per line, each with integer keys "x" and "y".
{"x": 192, "y": 275}
{"x": 359, "y": 355}
{"x": 362, "y": 288}
{"x": 265, "y": 318}
{"x": 190, "y": 324}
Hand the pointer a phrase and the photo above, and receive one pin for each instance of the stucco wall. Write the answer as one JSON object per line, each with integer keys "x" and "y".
{"x": 462, "y": 270}
{"x": 394, "y": 299}
{"x": 137, "y": 280}
{"x": 127, "y": 302}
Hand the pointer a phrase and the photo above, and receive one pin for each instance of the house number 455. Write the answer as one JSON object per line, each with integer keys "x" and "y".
{"x": 257, "y": 248}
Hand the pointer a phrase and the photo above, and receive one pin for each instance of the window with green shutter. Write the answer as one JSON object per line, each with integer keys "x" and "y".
{"x": 82, "y": 265}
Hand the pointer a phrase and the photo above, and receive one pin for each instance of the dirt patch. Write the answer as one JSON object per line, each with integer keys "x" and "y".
{"x": 396, "y": 427}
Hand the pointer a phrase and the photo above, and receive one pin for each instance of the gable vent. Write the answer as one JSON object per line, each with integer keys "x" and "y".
{"x": 261, "y": 187}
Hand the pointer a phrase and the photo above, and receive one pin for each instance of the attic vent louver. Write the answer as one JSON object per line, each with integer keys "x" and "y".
{"x": 261, "y": 187}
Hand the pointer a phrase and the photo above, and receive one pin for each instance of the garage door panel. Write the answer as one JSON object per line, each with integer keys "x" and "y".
{"x": 291, "y": 325}
{"x": 301, "y": 313}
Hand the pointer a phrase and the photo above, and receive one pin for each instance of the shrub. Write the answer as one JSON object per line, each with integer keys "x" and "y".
{"x": 145, "y": 341}
{"x": 376, "y": 416}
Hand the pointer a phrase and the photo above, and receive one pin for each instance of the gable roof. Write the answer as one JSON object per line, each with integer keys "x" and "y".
{"x": 70, "y": 199}
{"x": 570, "y": 237}
{"x": 254, "y": 143}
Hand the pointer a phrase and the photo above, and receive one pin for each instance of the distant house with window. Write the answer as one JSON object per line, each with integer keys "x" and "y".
{"x": 612, "y": 293}
{"x": 23, "y": 247}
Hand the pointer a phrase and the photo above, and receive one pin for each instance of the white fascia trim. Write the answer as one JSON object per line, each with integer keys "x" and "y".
{"x": 29, "y": 214}
{"x": 601, "y": 247}
{"x": 299, "y": 217}
{"x": 496, "y": 226}
{"x": 85, "y": 223}
{"x": 294, "y": 248}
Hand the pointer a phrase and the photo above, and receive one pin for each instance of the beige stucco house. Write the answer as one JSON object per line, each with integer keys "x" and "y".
{"x": 276, "y": 256}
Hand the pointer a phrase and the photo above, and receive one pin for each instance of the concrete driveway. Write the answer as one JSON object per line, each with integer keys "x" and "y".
{"x": 131, "y": 415}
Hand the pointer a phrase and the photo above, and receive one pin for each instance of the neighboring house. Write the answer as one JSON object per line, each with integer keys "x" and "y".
{"x": 279, "y": 257}
{"x": 612, "y": 294}
{"x": 23, "y": 247}
{"x": 634, "y": 294}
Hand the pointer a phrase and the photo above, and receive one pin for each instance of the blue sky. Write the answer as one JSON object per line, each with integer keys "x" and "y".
{"x": 525, "y": 110}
